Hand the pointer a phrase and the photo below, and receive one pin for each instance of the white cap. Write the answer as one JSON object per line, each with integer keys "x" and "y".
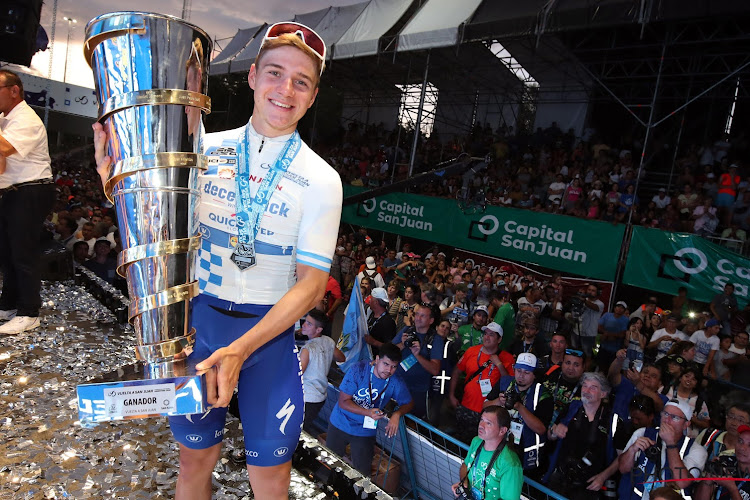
{"x": 379, "y": 293}
{"x": 622, "y": 303}
{"x": 370, "y": 263}
{"x": 493, "y": 327}
{"x": 687, "y": 412}
{"x": 481, "y": 309}
{"x": 526, "y": 361}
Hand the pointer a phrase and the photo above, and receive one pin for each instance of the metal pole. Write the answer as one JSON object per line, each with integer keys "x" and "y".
{"x": 419, "y": 115}
{"x": 67, "y": 45}
{"x": 398, "y": 134}
{"x": 628, "y": 227}
{"x": 49, "y": 73}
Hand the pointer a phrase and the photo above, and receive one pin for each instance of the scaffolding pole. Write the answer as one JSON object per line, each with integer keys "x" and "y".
{"x": 417, "y": 126}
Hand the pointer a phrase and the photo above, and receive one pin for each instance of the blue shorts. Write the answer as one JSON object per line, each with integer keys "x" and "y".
{"x": 724, "y": 200}
{"x": 270, "y": 395}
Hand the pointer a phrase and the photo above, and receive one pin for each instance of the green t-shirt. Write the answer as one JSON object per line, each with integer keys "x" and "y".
{"x": 506, "y": 318}
{"x": 505, "y": 479}
{"x": 469, "y": 336}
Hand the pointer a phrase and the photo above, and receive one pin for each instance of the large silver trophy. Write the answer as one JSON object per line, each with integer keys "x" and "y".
{"x": 151, "y": 75}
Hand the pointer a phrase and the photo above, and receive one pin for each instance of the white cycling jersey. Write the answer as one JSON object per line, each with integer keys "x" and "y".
{"x": 300, "y": 224}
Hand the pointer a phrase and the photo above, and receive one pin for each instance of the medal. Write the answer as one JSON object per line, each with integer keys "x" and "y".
{"x": 244, "y": 255}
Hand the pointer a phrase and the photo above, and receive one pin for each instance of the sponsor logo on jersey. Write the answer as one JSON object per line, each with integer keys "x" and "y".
{"x": 219, "y": 192}
{"x": 194, "y": 438}
{"x": 251, "y": 453}
{"x": 223, "y": 150}
{"x": 280, "y": 452}
{"x": 219, "y": 433}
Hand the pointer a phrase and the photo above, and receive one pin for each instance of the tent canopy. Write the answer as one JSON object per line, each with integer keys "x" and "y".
{"x": 436, "y": 24}
{"x": 363, "y": 36}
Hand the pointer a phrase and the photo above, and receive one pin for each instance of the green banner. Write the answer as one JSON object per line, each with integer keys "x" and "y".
{"x": 578, "y": 246}
{"x": 664, "y": 261}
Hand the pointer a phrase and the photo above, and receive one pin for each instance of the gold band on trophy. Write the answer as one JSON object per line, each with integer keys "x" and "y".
{"x": 140, "y": 252}
{"x": 135, "y": 164}
{"x": 153, "y": 97}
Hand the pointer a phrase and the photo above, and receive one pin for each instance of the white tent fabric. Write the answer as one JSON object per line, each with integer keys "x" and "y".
{"x": 336, "y": 22}
{"x": 361, "y": 39}
{"x": 311, "y": 19}
{"x": 436, "y": 24}
{"x": 222, "y": 62}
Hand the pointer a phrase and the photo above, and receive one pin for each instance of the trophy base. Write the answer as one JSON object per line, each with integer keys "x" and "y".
{"x": 141, "y": 390}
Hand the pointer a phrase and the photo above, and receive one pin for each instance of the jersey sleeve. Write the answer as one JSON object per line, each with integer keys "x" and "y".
{"x": 322, "y": 213}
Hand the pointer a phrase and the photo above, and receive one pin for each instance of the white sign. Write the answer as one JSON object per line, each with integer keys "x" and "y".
{"x": 140, "y": 400}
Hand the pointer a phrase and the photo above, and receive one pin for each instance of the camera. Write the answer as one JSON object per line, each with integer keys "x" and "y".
{"x": 511, "y": 398}
{"x": 578, "y": 470}
{"x": 390, "y": 407}
{"x": 461, "y": 493}
{"x": 577, "y": 304}
{"x": 722, "y": 466}
{"x": 409, "y": 338}
{"x": 653, "y": 453}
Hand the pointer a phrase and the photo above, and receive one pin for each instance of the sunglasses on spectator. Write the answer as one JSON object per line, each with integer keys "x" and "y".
{"x": 306, "y": 34}
{"x": 574, "y": 352}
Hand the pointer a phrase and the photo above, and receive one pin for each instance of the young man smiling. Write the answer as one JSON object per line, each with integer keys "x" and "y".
{"x": 269, "y": 217}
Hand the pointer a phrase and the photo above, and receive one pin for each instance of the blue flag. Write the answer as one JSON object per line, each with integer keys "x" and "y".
{"x": 352, "y": 340}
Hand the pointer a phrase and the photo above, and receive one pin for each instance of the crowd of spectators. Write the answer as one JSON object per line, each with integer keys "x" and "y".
{"x": 554, "y": 172}
{"x": 486, "y": 338}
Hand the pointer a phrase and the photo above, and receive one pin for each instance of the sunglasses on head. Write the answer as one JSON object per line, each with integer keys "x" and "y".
{"x": 306, "y": 34}
{"x": 574, "y": 352}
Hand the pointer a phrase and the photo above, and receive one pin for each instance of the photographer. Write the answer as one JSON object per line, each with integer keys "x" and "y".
{"x": 588, "y": 437}
{"x": 737, "y": 467}
{"x": 586, "y": 310}
{"x": 422, "y": 353}
{"x": 365, "y": 390}
{"x": 491, "y": 470}
{"x": 645, "y": 381}
{"x": 456, "y": 308}
{"x": 655, "y": 455}
{"x": 483, "y": 365}
{"x": 530, "y": 407}
{"x": 564, "y": 382}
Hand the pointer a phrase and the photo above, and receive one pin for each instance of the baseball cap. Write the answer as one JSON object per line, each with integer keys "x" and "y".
{"x": 682, "y": 406}
{"x": 526, "y": 361}
{"x": 743, "y": 428}
{"x": 712, "y": 322}
{"x": 481, "y": 309}
{"x": 622, "y": 303}
{"x": 379, "y": 293}
{"x": 676, "y": 358}
{"x": 370, "y": 263}
{"x": 662, "y": 190}
{"x": 493, "y": 327}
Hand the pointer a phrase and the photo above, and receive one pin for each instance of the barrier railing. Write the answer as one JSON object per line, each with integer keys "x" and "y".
{"x": 429, "y": 458}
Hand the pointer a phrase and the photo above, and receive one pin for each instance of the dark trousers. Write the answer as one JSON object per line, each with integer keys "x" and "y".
{"x": 311, "y": 413}
{"x": 22, "y": 213}
{"x": 362, "y": 448}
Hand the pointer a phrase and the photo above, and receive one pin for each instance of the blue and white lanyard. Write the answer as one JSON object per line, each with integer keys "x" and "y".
{"x": 250, "y": 210}
{"x": 374, "y": 400}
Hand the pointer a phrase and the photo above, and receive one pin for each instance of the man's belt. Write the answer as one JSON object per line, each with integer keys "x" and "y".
{"x": 14, "y": 187}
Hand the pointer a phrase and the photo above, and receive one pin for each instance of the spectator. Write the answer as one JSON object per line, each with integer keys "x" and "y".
{"x": 471, "y": 335}
{"x": 706, "y": 220}
{"x": 730, "y": 489}
{"x": 371, "y": 270}
{"x": 505, "y": 316}
{"x": 390, "y": 263}
{"x": 661, "y": 200}
{"x": 721, "y": 369}
{"x": 456, "y": 308}
{"x": 364, "y": 392}
{"x": 491, "y": 470}
{"x": 661, "y": 454}
{"x": 564, "y": 382}
{"x": 552, "y": 312}
{"x": 635, "y": 343}
{"x": 530, "y": 342}
{"x": 483, "y": 365}
{"x": 723, "y": 306}
{"x": 664, "y": 338}
{"x": 394, "y": 301}
{"x": 706, "y": 345}
{"x": 612, "y": 326}
{"x": 380, "y": 325}
{"x": 687, "y": 391}
{"x": 530, "y": 407}
{"x": 720, "y": 443}
{"x": 588, "y": 438}
{"x": 557, "y": 346}
{"x": 315, "y": 359}
{"x": 646, "y": 381}
{"x": 332, "y": 298}
{"x": 441, "y": 383}
{"x": 422, "y": 353}
{"x": 734, "y": 238}
{"x": 587, "y": 324}
{"x": 405, "y": 316}
{"x": 529, "y": 308}
{"x": 103, "y": 264}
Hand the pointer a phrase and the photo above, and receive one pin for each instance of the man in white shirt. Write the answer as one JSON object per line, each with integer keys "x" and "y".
{"x": 664, "y": 338}
{"x": 661, "y": 200}
{"x": 706, "y": 344}
{"x": 27, "y": 193}
{"x": 371, "y": 271}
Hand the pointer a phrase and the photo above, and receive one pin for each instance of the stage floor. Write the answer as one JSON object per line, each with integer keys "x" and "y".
{"x": 46, "y": 454}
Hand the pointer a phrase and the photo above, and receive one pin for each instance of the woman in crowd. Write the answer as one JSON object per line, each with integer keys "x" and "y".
{"x": 394, "y": 301}
{"x": 686, "y": 391}
{"x": 635, "y": 343}
{"x": 405, "y": 316}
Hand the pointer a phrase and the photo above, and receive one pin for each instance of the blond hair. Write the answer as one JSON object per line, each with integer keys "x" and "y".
{"x": 292, "y": 40}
